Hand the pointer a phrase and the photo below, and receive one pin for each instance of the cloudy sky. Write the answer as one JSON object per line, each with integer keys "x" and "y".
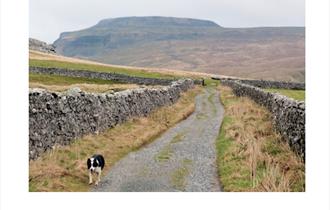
{"x": 48, "y": 18}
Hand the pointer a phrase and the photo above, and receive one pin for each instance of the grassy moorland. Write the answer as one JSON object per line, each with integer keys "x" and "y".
{"x": 65, "y": 80}
{"x": 64, "y": 168}
{"x": 251, "y": 156}
{"x": 63, "y": 83}
{"x": 192, "y": 45}
{"x": 99, "y": 68}
{"x": 295, "y": 94}
{"x": 40, "y": 56}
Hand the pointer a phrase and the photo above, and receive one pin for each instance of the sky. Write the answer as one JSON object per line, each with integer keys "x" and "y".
{"x": 48, "y": 18}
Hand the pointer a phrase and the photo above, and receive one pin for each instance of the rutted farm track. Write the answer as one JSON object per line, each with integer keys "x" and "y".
{"x": 182, "y": 159}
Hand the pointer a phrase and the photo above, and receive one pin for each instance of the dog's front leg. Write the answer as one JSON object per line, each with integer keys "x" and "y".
{"x": 98, "y": 177}
{"x": 90, "y": 177}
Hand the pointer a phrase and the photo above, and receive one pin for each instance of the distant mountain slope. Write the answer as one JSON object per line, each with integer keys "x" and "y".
{"x": 192, "y": 45}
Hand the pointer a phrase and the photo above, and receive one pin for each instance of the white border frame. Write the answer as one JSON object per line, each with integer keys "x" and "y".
{"x": 14, "y": 133}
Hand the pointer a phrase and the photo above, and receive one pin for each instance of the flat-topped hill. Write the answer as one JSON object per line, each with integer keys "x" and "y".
{"x": 276, "y": 53}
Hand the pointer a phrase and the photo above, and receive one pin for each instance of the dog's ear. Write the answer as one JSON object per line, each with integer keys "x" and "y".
{"x": 89, "y": 164}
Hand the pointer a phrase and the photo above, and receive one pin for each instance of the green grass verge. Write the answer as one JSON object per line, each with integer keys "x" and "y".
{"x": 98, "y": 68}
{"x": 211, "y": 82}
{"x": 177, "y": 138}
{"x": 251, "y": 156}
{"x": 233, "y": 177}
{"x": 178, "y": 176}
{"x": 210, "y": 99}
{"x": 47, "y": 79}
{"x": 295, "y": 94}
{"x": 165, "y": 154}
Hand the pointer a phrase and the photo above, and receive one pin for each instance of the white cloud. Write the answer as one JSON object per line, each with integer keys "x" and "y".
{"x": 48, "y": 18}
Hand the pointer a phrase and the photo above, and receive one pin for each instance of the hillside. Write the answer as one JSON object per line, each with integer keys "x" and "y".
{"x": 192, "y": 45}
{"x": 41, "y": 46}
{"x": 38, "y": 58}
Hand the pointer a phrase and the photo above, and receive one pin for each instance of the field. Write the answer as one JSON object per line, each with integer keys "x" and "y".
{"x": 64, "y": 80}
{"x": 295, "y": 94}
{"x": 222, "y": 57}
{"x": 98, "y": 68}
{"x": 43, "y": 58}
{"x": 251, "y": 156}
{"x": 63, "y": 83}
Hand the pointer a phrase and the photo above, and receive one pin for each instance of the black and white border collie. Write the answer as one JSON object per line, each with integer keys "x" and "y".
{"x": 95, "y": 164}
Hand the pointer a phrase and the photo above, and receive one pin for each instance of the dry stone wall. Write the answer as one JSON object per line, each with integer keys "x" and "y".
{"x": 274, "y": 84}
{"x": 105, "y": 76}
{"x": 59, "y": 118}
{"x": 270, "y": 84}
{"x": 100, "y": 75}
{"x": 288, "y": 115}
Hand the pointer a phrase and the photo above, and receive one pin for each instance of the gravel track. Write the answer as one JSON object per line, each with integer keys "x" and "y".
{"x": 182, "y": 159}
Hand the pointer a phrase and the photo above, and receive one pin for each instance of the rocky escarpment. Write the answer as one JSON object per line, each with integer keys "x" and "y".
{"x": 37, "y": 45}
{"x": 59, "y": 118}
{"x": 288, "y": 115}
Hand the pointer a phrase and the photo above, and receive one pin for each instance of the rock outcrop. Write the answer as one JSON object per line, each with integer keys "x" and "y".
{"x": 37, "y": 45}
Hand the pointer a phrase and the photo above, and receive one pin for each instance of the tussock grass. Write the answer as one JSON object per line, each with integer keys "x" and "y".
{"x": 177, "y": 138}
{"x": 295, "y": 94}
{"x": 179, "y": 175}
{"x": 64, "y": 168}
{"x": 251, "y": 156}
{"x": 165, "y": 154}
{"x": 201, "y": 116}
